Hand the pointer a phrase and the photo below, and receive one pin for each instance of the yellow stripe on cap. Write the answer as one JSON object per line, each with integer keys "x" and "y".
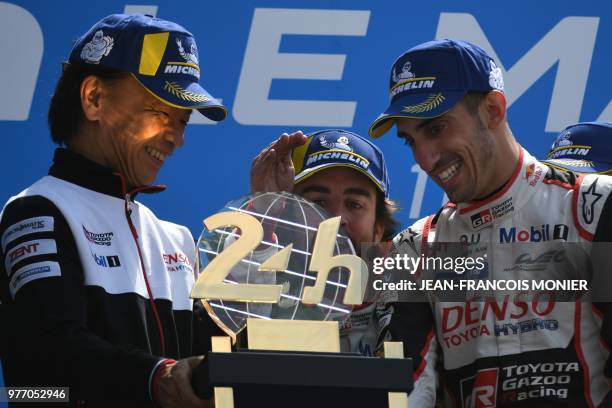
{"x": 299, "y": 154}
{"x": 153, "y": 49}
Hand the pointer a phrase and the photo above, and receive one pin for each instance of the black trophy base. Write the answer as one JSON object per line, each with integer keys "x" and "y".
{"x": 274, "y": 396}
{"x": 299, "y": 379}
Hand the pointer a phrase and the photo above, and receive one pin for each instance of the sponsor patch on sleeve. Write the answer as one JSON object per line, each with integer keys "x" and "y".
{"x": 24, "y": 227}
{"x": 591, "y": 199}
{"x": 28, "y": 249}
{"x": 33, "y": 272}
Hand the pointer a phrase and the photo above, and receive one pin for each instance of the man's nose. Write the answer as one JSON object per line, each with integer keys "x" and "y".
{"x": 336, "y": 210}
{"x": 426, "y": 155}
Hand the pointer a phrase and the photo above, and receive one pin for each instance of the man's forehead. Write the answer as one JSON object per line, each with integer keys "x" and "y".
{"x": 406, "y": 125}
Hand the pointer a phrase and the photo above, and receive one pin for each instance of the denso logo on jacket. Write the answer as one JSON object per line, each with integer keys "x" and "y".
{"x": 177, "y": 261}
{"x": 464, "y": 322}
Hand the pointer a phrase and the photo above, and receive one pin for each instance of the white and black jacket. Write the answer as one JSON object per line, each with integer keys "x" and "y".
{"x": 537, "y": 350}
{"x": 94, "y": 287}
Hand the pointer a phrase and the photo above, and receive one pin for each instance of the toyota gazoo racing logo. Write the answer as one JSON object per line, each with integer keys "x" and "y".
{"x": 496, "y": 211}
{"x": 537, "y": 380}
{"x": 103, "y": 238}
{"x": 480, "y": 391}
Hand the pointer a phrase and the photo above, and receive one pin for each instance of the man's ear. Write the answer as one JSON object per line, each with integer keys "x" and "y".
{"x": 495, "y": 109}
{"x": 91, "y": 91}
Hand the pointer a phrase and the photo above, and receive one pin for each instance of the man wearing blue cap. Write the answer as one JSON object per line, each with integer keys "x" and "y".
{"x": 94, "y": 287}
{"x": 583, "y": 148}
{"x": 447, "y": 101}
{"x": 347, "y": 176}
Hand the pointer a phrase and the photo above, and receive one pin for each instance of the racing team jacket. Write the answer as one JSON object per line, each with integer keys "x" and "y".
{"x": 514, "y": 352}
{"x": 94, "y": 288}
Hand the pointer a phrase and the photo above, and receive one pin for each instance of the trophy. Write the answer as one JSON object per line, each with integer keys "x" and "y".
{"x": 278, "y": 267}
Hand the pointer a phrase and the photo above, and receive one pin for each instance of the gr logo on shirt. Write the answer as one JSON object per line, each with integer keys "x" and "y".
{"x": 480, "y": 391}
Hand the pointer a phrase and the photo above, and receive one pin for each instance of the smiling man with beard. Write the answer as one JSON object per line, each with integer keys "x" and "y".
{"x": 452, "y": 114}
{"x": 94, "y": 288}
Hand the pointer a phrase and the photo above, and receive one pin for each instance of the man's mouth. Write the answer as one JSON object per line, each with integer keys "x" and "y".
{"x": 156, "y": 154}
{"x": 447, "y": 173}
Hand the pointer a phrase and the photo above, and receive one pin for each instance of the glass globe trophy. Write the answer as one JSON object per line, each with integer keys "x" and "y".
{"x": 278, "y": 266}
{"x": 267, "y": 270}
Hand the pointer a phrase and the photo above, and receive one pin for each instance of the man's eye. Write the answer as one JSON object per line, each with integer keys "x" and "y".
{"x": 436, "y": 129}
{"x": 158, "y": 112}
{"x": 354, "y": 205}
{"x": 408, "y": 141}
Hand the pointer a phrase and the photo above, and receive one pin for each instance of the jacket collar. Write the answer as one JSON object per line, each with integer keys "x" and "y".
{"x": 527, "y": 174}
{"x": 74, "y": 168}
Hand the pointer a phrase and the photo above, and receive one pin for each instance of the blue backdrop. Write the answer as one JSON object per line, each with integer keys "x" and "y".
{"x": 287, "y": 65}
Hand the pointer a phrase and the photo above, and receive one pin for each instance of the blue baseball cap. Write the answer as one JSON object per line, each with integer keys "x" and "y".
{"x": 584, "y": 148}
{"x": 160, "y": 54}
{"x": 340, "y": 148}
{"x": 429, "y": 79}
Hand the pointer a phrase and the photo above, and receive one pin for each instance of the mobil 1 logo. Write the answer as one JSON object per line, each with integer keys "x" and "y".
{"x": 541, "y": 233}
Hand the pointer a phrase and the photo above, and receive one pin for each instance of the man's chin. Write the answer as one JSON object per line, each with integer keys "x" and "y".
{"x": 457, "y": 196}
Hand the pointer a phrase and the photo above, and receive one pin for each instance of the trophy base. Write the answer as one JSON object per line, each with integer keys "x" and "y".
{"x": 303, "y": 379}
{"x": 307, "y": 397}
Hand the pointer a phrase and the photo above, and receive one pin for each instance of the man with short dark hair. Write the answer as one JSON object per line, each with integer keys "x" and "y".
{"x": 520, "y": 352}
{"x": 95, "y": 288}
{"x": 346, "y": 175}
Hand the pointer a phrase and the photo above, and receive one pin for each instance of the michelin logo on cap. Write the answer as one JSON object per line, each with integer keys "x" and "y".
{"x": 407, "y": 80}
{"x": 405, "y": 74}
{"x": 341, "y": 143}
{"x": 496, "y": 80}
{"x": 330, "y": 155}
{"x": 564, "y": 146}
{"x": 99, "y": 46}
{"x": 190, "y": 66}
{"x": 191, "y": 56}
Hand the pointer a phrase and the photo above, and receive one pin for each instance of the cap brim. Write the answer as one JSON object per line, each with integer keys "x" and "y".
{"x": 580, "y": 166}
{"x": 313, "y": 170}
{"x": 184, "y": 95}
{"x": 415, "y": 105}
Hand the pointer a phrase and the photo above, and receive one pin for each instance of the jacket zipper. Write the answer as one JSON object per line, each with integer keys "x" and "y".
{"x": 128, "y": 216}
